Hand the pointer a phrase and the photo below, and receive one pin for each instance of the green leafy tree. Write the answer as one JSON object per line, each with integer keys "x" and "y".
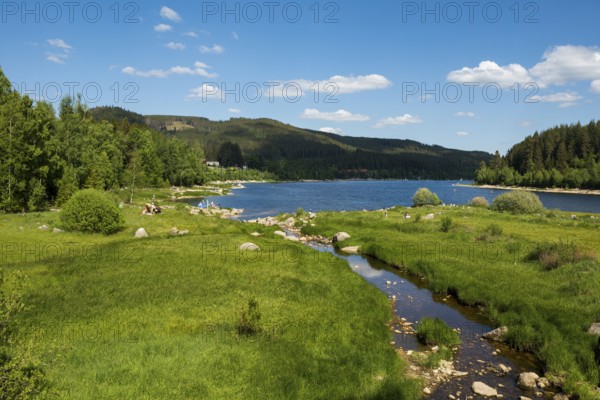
{"x": 424, "y": 197}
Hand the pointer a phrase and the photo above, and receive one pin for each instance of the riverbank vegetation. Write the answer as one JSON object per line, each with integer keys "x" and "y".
{"x": 535, "y": 273}
{"x": 561, "y": 157}
{"x": 186, "y": 314}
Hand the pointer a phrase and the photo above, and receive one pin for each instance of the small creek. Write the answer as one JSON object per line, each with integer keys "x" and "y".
{"x": 413, "y": 301}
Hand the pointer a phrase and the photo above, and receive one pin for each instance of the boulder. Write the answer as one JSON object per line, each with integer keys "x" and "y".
{"x": 173, "y": 232}
{"x": 292, "y": 238}
{"x": 595, "y": 329}
{"x": 340, "y": 237}
{"x": 290, "y": 221}
{"x": 249, "y": 247}
{"x": 527, "y": 380}
{"x": 141, "y": 233}
{"x": 428, "y": 216}
{"x": 524, "y": 398}
{"x": 497, "y": 335}
{"x": 56, "y": 230}
{"x": 183, "y": 233}
{"x": 351, "y": 250}
{"x": 427, "y": 391}
{"x": 255, "y": 234}
{"x": 280, "y": 233}
{"x": 543, "y": 383}
{"x": 482, "y": 389}
{"x": 43, "y": 228}
{"x": 560, "y": 396}
{"x": 312, "y": 215}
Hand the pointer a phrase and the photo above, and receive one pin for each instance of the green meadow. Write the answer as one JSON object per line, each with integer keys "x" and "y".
{"x": 114, "y": 317}
{"x": 536, "y": 274}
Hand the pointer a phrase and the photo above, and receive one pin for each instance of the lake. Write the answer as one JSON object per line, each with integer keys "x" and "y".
{"x": 262, "y": 199}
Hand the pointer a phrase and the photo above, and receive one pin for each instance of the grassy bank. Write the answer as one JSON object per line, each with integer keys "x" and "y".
{"x": 114, "y": 317}
{"x": 485, "y": 258}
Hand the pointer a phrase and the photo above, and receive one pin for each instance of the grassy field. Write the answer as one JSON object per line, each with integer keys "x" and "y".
{"x": 113, "y": 317}
{"x": 484, "y": 259}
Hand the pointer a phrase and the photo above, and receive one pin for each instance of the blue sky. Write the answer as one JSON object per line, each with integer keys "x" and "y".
{"x": 470, "y": 75}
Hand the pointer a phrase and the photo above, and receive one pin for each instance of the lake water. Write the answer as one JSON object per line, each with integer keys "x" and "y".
{"x": 262, "y": 199}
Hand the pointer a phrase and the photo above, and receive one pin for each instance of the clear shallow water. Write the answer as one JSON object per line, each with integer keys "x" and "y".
{"x": 414, "y": 301}
{"x": 263, "y": 199}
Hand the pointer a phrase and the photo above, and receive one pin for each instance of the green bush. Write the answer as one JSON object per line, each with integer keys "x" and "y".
{"x": 479, "y": 201}
{"x": 92, "y": 211}
{"x": 425, "y": 197}
{"x": 518, "y": 202}
{"x": 446, "y": 224}
{"x": 249, "y": 323}
{"x": 435, "y": 332}
{"x": 553, "y": 255}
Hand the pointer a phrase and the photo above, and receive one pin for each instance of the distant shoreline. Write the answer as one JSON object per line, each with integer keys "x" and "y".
{"x": 591, "y": 192}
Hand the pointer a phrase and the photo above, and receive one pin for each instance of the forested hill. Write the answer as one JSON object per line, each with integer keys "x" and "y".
{"x": 565, "y": 156}
{"x": 295, "y": 153}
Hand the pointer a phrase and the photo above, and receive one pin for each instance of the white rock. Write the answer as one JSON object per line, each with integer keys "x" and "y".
{"x": 351, "y": 250}
{"x": 280, "y": 233}
{"x": 255, "y": 234}
{"x": 428, "y": 216}
{"x": 527, "y": 380}
{"x": 292, "y": 238}
{"x": 497, "y": 335}
{"x": 595, "y": 329}
{"x": 173, "y": 232}
{"x": 482, "y": 389}
{"x": 56, "y": 230}
{"x": 249, "y": 247}
{"x": 43, "y": 228}
{"x": 340, "y": 237}
{"x": 141, "y": 233}
{"x": 183, "y": 233}
{"x": 427, "y": 391}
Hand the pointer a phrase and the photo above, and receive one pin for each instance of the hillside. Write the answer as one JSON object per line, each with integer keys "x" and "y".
{"x": 564, "y": 157}
{"x": 296, "y": 153}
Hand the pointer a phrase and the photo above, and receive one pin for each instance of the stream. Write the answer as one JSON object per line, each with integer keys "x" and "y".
{"x": 477, "y": 356}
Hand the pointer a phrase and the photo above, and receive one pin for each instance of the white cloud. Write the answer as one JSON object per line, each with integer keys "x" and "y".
{"x": 59, "y": 43}
{"x": 234, "y": 110}
{"x": 525, "y": 124}
{"x": 567, "y": 99}
{"x": 395, "y": 121}
{"x": 170, "y": 14}
{"x": 205, "y": 91}
{"x": 595, "y": 86}
{"x": 198, "y": 70}
{"x": 339, "y": 115}
{"x": 337, "y": 131}
{"x": 191, "y": 34}
{"x": 163, "y": 28}
{"x": 466, "y": 114}
{"x": 175, "y": 46}
{"x": 235, "y": 35}
{"x": 215, "y": 49}
{"x": 462, "y": 133}
{"x": 56, "y": 58}
{"x": 339, "y": 84}
{"x": 566, "y": 64}
{"x": 490, "y": 72}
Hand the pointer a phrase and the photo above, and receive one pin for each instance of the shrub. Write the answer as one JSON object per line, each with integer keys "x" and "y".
{"x": 518, "y": 202}
{"x": 299, "y": 212}
{"x": 418, "y": 218}
{"x": 492, "y": 230}
{"x": 446, "y": 224}
{"x": 553, "y": 255}
{"x": 92, "y": 211}
{"x": 479, "y": 201}
{"x": 424, "y": 197}
{"x": 435, "y": 332}
{"x": 249, "y": 323}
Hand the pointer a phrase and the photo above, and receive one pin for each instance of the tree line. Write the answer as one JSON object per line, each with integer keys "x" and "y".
{"x": 565, "y": 156}
{"x": 45, "y": 158}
